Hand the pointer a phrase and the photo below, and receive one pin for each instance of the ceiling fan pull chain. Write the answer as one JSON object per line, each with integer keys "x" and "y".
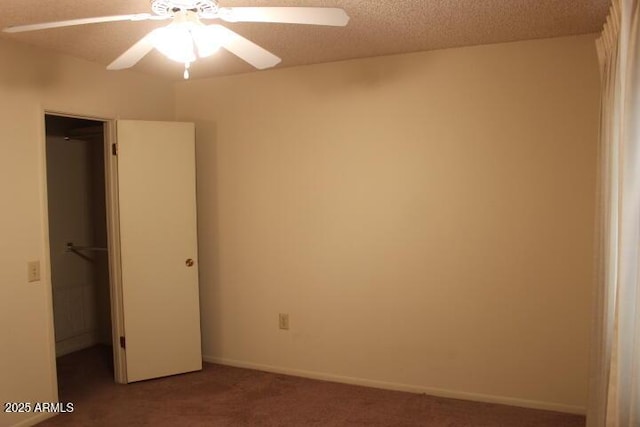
{"x": 187, "y": 65}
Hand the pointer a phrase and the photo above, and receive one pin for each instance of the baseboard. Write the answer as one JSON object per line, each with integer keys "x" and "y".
{"x": 452, "y": 394}
{"x": 76, "y": 343}
{"x": 35, "y": 419}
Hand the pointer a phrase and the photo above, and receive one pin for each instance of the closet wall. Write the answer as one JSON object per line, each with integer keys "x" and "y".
{"x": 80, "y": 280}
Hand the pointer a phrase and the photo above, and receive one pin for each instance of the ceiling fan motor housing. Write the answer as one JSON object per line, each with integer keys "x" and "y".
{"x": 204, "y": 8}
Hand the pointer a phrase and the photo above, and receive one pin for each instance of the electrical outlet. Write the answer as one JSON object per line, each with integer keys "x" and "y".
{"x": 283, "y": 321}
{"x": 33, "y": 271}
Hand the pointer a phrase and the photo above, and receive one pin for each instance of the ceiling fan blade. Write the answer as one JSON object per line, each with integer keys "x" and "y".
{"x": 134, "y": 54}
{"x": 246, "y": 49}
{"x": 287, "y": 15}
{"x": 82, "y": 21}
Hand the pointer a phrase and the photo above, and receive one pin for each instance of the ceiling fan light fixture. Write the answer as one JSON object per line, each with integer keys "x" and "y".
{"x": 208, "y": 40}
{"x": 174, "y": 42}
{"x": 186, "y": 39}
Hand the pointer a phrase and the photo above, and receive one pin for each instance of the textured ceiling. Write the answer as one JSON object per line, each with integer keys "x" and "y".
{"x": 377, "y": 27}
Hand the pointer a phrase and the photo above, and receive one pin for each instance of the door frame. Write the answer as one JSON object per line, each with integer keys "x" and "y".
{"x": 113, "y": 240}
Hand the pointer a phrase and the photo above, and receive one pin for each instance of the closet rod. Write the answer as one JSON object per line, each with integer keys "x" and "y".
{"x": 70, "y": 247}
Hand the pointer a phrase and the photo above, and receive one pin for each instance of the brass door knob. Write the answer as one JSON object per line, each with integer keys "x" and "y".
{"x": 189, "y": 262}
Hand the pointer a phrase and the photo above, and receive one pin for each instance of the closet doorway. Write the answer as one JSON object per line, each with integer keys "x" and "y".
{"x": 123, "y": 245}
{"x": 77, "y": 210}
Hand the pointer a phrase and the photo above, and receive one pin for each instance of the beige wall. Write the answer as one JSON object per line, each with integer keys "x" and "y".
{"x": 31, "y": 81}
{"x": 425, "y": 219}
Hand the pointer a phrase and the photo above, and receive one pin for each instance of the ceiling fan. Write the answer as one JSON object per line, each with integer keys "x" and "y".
{"x": 187, "y": 38}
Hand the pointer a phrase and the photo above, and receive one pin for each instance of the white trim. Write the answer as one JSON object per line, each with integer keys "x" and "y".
{"x": 35, "y": 419}
{"x": 452, "y": 394}
{"x": 46, "y": 256}
{"x": 115, "y": 261}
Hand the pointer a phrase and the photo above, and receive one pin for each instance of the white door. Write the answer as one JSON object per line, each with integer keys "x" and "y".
{"x": 157, "y": 207}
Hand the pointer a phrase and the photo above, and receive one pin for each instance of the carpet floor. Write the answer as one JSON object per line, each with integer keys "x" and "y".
{"x": 223, "y": 396}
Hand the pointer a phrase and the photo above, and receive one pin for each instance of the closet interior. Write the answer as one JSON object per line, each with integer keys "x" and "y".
{"x": 75, "y": 156}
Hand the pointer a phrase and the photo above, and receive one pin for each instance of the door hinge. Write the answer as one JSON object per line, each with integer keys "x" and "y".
{"x": 123, "y": 342}
{"x": 114, "y": 149}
